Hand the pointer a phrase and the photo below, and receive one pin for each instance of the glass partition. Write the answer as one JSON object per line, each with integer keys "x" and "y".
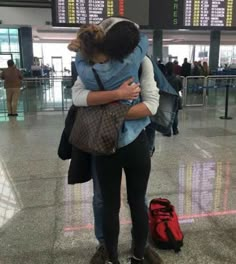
{"x": 9, "y": 46}
{"x": 41, "y": 94}
{"x": 4, "y": 40}
{"x": 191, "y": 52}
{"x": 227, "y": 56}
{"x": 55, "y": 55}
{"x": 216, "y": 88}
{"x": 14, "y": 40}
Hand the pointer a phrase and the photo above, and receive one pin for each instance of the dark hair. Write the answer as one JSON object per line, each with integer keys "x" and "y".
{"x": 91, "y": 41}
{"x": 121, "y": 40}
{"x": 169, "y": 68}
{"x": 10, "y": 63}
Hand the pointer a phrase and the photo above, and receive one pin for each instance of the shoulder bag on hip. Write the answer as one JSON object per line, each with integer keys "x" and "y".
{"x": 96, "y": 128}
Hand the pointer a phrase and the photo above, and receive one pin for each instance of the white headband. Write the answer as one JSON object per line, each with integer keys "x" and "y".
{"x": 108, "y": 23}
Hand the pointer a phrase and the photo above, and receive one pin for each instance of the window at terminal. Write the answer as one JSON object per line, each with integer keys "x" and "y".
{"x": 210, "y": 13}
{"x": 9, "y": 46}
{"x": 77, "y": 12}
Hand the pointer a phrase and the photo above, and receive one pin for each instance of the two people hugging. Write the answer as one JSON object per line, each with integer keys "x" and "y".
{"x": 116, "y": 50}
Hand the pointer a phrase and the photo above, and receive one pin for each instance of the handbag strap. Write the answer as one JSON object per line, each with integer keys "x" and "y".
{"x": 98, "y": 80}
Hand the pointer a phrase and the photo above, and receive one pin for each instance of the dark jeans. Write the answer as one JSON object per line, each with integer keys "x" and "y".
{"x": 135, "y": 161}
{"x": 151, "y": 135}
{"x": 175, "y": 123}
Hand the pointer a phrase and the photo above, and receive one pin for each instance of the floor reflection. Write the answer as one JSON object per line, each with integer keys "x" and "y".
{"x": 204, "y": 190}
{"x": 78, "y": 212}
{"x": 9, "y": 202}
{"x": 5, "y": 118}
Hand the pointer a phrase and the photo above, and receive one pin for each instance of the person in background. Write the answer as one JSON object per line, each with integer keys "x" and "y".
{"x": 186, "y": 68}
{"x": 46, "y": 70}
{"x": 12, "y": 77}
{"x": 196, "y": 71}
{"x": 176, "y": 83}
{"x": 200, "y": 68}
{"x": 177, "y": 68}
{"x": 161, "y": 66}
{"x": 206, "y": 70}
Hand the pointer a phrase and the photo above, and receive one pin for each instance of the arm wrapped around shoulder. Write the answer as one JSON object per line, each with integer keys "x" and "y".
{"x": 149, "y": 89}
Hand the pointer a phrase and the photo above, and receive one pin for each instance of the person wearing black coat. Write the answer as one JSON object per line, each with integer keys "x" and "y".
{"x": 186, "y": 68}
{"x": 80, "y": 165}
{"x": 177, "y": 85}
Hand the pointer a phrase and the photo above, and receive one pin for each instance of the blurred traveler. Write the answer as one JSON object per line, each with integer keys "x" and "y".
{"x": 46, "y": 70}
{"x": 196, "y": 71}
{"x": 200, "y": 68}
{"x": 186, "y": 68}
{"x": 12, "y": 81}
{"x": 176, "y": 83}
{"x": 206, "y": 70}
{"x": 161, "y": 66}
{"x": 177, "y": 68}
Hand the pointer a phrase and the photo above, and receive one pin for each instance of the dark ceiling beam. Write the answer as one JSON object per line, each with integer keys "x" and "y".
{"x": 26, "y": 3}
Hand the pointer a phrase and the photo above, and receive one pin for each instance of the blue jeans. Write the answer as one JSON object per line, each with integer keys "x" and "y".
{"x": 97, "y": 206}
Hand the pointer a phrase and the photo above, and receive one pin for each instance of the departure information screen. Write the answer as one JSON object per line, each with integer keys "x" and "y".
{"x": 166, "y": 14}
{"x": 159, "y": 14}
{"x": 210, "y": 13}
{"x": 77, "y": 12}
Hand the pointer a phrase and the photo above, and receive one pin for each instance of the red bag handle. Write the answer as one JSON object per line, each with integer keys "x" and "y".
{"x": 161, "y": 202}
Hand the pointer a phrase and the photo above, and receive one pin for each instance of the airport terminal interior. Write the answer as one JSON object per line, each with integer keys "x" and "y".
{"x": 43, "y": 220}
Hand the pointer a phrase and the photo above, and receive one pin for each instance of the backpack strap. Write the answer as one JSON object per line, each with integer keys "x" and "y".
{"x": 140, "y": 71}
{"x": 98, "y": 80}
{"x": 172, "y": 239}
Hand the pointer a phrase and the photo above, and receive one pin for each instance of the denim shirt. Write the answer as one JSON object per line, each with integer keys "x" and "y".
{"x": 112, "y": 74}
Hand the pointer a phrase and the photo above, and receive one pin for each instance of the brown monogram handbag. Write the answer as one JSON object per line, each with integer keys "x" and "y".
{"x": 96, "y": 128}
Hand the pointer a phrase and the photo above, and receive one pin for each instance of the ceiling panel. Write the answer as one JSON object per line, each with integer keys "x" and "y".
{"x": 26, "y": 3}
{"x": 169, "y": 36}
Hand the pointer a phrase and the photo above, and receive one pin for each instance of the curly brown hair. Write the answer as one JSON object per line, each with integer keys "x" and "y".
{"x": 91, "y": 38}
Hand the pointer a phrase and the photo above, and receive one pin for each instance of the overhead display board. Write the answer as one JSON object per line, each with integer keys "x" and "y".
{"x": 193, "y": 14}
{"x": 210, "y": 13}
{"x": 166, "y": 14}
{"x": 71, "y": 13}
{"x": 159, "y": 14}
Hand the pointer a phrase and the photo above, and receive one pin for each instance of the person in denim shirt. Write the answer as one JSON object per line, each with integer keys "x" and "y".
{"x": 113, "y": 72}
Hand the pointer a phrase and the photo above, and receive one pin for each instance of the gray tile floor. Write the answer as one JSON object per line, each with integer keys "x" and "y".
{"x": 43, "y": 220}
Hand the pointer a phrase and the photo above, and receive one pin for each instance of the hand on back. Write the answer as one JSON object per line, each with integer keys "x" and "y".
{"x": 74, "y": 45}
{"x": 129, "y": 90}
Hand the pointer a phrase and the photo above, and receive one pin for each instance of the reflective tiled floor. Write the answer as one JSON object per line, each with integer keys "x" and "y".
{"x": 43, "y": 220}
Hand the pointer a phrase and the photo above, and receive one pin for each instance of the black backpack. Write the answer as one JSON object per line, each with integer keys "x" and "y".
{"x": 168, "y": 103}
